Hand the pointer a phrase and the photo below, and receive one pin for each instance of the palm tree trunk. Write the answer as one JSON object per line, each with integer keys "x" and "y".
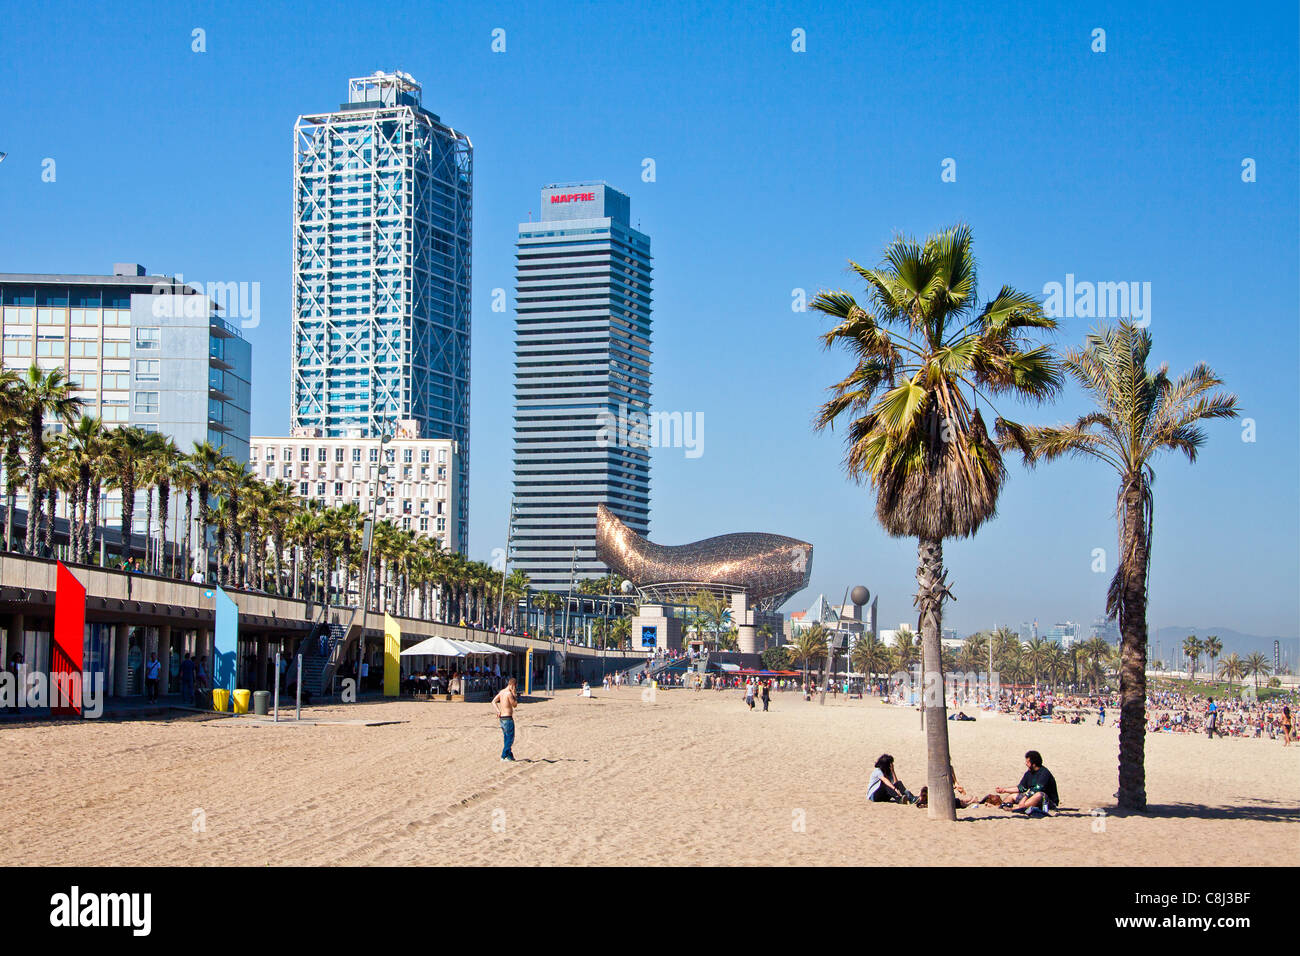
{"x": 189, "y": 524}
{"x": 1132, "y": 581}
{"x": 164, "y": 508}
{"x": 94, "y": 518}
{"x": 930, "y": 594}
{"x": 53, "y": 509}
{"x": 35, "y": 456}
{"x": 128, "y": 515}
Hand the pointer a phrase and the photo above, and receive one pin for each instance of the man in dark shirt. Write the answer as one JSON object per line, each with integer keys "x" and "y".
{"x": 1036, "y": 792}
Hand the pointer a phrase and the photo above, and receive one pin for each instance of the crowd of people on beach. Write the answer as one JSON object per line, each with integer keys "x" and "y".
{"x": 1166, "y": 712}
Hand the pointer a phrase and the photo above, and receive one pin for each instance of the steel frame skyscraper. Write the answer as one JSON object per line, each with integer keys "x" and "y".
{"x": 381, "y": 271}
{"x": 582, "y": 346}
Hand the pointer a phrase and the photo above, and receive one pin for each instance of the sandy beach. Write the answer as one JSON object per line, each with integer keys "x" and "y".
{"x": 686, "y": 779}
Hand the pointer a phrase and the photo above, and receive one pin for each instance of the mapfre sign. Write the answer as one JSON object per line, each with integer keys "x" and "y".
{"x": 573, "y": 197}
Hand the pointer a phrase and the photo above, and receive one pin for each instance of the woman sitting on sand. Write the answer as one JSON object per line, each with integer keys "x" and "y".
{"x": 884, "y": 786}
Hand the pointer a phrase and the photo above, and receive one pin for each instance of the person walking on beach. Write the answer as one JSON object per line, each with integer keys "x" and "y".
{"x": 749, "y": 694}
{"x": 505, "y": 703}
{"x": 767, "y": 695}
{"x": 151, "y": 675}
{"x": 1212, "y": 720}
{"x": 1286, "y": 726}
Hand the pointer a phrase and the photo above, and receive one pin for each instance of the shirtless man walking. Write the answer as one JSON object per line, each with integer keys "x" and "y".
{"x": 505, "y": 703}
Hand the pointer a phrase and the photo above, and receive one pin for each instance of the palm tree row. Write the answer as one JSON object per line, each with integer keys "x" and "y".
{"x": 237, "y": 530}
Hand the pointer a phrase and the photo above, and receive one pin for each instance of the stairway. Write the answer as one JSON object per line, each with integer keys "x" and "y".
{"x": 315, "y": 662}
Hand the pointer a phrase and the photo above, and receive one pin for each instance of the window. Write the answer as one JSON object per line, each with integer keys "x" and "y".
{"x": 424, "y": 456}
{"x": 322, "y": 454}
{"x": 84, "y": 348}
{"x": 117, "y": 350}
{"x": 146, "y": 370}
{"x": 270, "y": 454}
{"x": 117, "y": 381}
{"x": 356, "y": 454}
{"x": 338, "y": 489}
{"x": 146, "y": 403}
{"x": 270, "y": 471}
{"x": 320, "y": 489}
{"x": 18, "y": 346}
{"x": 338, "y": 454}
{"x": 254, "y": 451}
{"x": 84, "y": 380}
{"x": 148, "y": 339}
{"x": 51, "y": 348}
{"x": 374, "y": 454}
{"x": 304, "y": 489}
{"x": 304, "y": 454}
{"x": 406, "y": 456}
{"x": 442, "y": 456}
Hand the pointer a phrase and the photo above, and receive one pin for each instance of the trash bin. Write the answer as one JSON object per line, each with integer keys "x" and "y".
{"x": 241, "y": 701}
{"x": 220, "y": 699}
{"x": 262, "y": 702}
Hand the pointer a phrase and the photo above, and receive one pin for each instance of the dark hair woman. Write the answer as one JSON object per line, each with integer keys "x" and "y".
{"x": 885, "y": 787}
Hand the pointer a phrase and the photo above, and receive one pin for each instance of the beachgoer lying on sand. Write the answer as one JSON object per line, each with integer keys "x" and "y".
{"x": 884, "y": 786}
{"x": 1036, "y": 793}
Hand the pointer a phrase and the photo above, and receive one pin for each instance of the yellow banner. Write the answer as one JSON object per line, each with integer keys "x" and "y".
{"x": 392, "y": 650}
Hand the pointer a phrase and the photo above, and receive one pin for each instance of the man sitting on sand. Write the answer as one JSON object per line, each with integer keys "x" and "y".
{"x": 1036, "y": 793}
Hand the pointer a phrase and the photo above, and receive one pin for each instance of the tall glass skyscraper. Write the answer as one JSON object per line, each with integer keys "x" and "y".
{"x": 582, "y": 380}
{"x": 381, "y": 271}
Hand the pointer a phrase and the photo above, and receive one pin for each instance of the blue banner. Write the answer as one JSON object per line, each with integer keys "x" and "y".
{"x": 225, "y": 644}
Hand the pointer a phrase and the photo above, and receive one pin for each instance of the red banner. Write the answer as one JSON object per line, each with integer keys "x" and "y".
{"x": 69, "y": 645}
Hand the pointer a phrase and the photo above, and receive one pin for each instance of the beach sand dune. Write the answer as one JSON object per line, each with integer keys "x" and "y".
{"x": 686, "y": 779}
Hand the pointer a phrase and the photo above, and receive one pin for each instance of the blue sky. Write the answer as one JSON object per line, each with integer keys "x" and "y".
{"x": 772, "y": 169}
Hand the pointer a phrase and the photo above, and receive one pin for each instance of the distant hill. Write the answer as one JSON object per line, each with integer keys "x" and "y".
{"x": 1171, "y": 640}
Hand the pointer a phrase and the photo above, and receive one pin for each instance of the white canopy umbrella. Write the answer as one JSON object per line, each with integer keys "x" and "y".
{"x": 481, "y": 648}
{"x": 436, "y": 647}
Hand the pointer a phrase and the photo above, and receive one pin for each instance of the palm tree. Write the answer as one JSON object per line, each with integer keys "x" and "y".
{"x": 1256, "y": 664}
{"x": 1140, "y": 414}
{"x": 204, "y": 463}
{"x": 905, "y": 650}
{"x": 1035, "y": 657}
{"x": 86, "y": 447}
{"x": 304, "y": 529}
{"x": 1192, "y": 648}
{"x": 1212, "y": 647}
{"x": 1232, "y": 668}
{"x": 925, "y": 354}
{"x": 129, "y": 448}
{"x": 166, "y": 464}
{"x": 234, "y": 478}
{"x": 42, "y": 395}
{"x": 58, "y": 475}
{"x": 869, "y": 655}
{"x": 808, "y": 644}
{"x": 12, "y": 428}
{"x": 281, "y": 508}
